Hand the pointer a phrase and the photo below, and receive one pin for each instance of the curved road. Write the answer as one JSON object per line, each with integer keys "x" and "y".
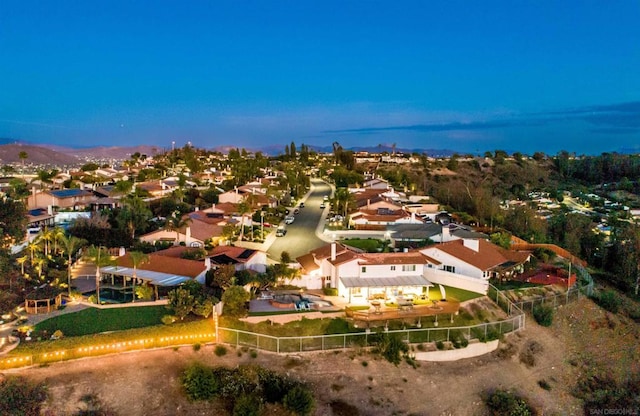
{"x": 301, "y": 235}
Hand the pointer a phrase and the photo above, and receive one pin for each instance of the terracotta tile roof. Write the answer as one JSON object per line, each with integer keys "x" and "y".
{"x": 487, "y": 257}
{"x": 324, "y": 252}
{"x": 227, "y": 208}
{"x": 344, "y": 257}
{"x": 166, "y": 264}
{"x": 307, "y": 262}
{"x": 175, "y": 251}
{"x": 412, "y": 257}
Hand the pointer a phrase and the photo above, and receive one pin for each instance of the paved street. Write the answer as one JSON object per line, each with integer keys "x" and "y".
{"x": 301, "y": 236}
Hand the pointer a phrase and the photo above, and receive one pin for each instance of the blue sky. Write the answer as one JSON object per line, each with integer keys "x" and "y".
{"x": 464, "y": 75}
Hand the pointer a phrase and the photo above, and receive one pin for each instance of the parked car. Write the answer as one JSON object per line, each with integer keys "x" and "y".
{"x": 281, "y": 231}
{"x": 289, "y": 219}
{"x": 323, "y": 205}
{"x": 301, "y": 204}
{"x": 296, "y": 211}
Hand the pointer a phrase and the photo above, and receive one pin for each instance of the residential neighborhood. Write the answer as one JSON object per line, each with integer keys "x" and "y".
{"x": 246, "y": 238}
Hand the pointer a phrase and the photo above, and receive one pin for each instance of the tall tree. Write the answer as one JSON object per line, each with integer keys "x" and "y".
{"x": 23, "y": 156}
{"x": 70, "y": 245}
{"x": 138, "y": 258}
{"x": 100, "y": 257}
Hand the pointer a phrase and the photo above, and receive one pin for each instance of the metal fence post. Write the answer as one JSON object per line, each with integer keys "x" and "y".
{"x": 237, "y": 338}
{"x": 448, "y": 333}
{"x": 278, "y": 345}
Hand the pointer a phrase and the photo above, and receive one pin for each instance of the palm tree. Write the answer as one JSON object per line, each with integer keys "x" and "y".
{"x": 137, "y": 258}
{"x": 33, "y": 247}
{"x": 21, "y": 261}
{"x": 70, "y": 245}
{"x": 23, "y": 156}
{"x": 46, "y": 236}
{"x": 58, "y": 233}
{"x": 243, "y": 209}
{"x": 99, "y": 256}
{"x": 175, "y": 223}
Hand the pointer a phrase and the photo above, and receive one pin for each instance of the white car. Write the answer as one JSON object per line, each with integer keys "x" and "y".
{"x": 289, "y": 219}
{"x": 323, "y": 205}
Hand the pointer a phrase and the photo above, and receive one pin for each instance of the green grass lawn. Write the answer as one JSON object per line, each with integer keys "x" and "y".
{"x": 458, "y": 294}
{"x": 156, "y": 331}
{"x": 94, "y": 321}
{"x": 369, "y": 245}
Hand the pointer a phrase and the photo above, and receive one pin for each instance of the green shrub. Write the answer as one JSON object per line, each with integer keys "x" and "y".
{"x": 253, "y": 354}
{"x": 199, "y": 382}
{"x": 220, "y": 350}
{"x": 247, "y": 405}
{"x": 299, "y": 400}
{"x": 338, "y": 326}
{"x": 544, "y": 384}
{"x": 274, "y": 385}
{"x": 196, "y": 346}
{"x": 365, "y": 363}
{"x": 529, "y": 352}
{"x": 19, "y": 396}
{"x": 168, "y": 319}
{"x": 391, "y": 347}
{"x": 543, "y": 314}
{"x": 506, "y": 403}
{"x": 330, "y": 291}
{"x": 600, "y": 390}
{"x": 608, "y": 300}
{"x": 440, "y": 345}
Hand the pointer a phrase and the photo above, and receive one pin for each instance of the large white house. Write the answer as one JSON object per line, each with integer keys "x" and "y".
{"x": 466, "y": 263}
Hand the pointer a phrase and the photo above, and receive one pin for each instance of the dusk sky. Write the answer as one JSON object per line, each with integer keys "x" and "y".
{"x": 468, "y": 75}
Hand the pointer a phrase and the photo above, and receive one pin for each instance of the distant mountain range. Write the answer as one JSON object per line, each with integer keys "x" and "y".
{"x": 46, "y": 154}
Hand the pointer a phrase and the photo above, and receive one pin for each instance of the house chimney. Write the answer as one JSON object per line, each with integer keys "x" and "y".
{"x": 368, "y": 203}
{"x": 207, "y": 263}
{"x": 213, "y": 206}
{"x": 472, "y": 244}
{"x": 446, "y": 234}
{"x": 333, "y": 251}
{"x": 188, "y": 236}
{"x": 197, "y": 209}
{"x": 121, "y": 252}
{"x": 50, "y": 209}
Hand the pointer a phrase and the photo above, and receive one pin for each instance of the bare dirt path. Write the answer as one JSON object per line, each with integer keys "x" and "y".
{"x": 146, "y": 383}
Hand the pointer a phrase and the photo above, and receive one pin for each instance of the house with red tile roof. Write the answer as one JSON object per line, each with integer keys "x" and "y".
{"x": 242, "y": 258}
{"x": 465, "y": 263}
{"x": 361, "y": 276}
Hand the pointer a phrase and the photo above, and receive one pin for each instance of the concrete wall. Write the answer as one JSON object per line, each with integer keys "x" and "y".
{"x": 456, "y": 280}
{"x": 472, "y": 350}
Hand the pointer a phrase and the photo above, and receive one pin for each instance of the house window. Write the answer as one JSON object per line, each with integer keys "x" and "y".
{"x": 450, "y": 269}
{"x": 409, "y": 268}
{"x": 364, "y": 269}
{"x": 393, "y": 268}
{"x": 355, "y": 291}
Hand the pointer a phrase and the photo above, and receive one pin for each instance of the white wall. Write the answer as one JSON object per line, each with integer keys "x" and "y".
{"x": 384, "y": 270}
{"x": 456, "y": 280}
{"x": 449, "y": 260}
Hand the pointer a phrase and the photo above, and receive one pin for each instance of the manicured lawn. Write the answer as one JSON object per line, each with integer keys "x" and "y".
{"x": 94, "y": 321}
{"x": 302, "y": 327}
{"x": 156, "y": 331}
{"x": 452, "y": 292}
{"x": 369, "y": 245}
